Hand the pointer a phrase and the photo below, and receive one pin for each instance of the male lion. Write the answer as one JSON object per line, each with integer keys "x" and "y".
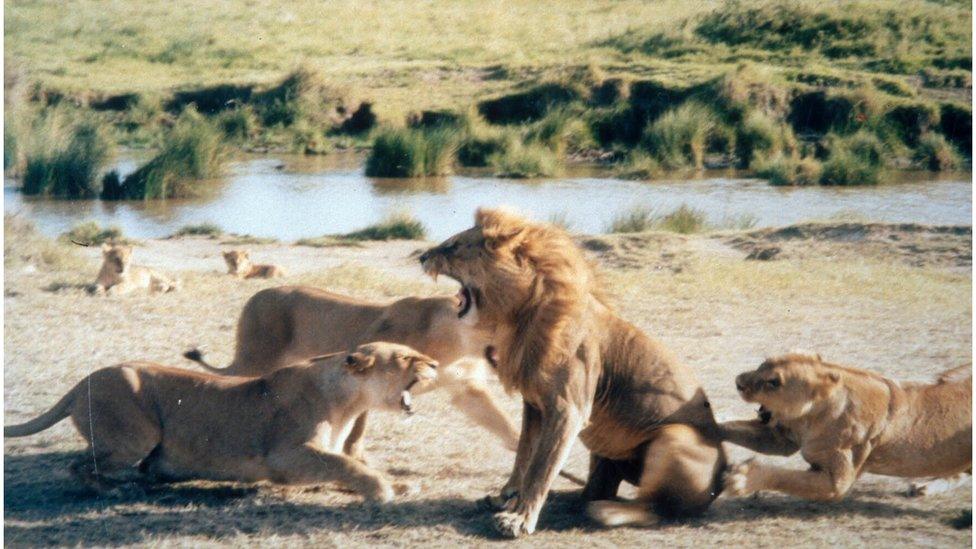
{"x": 239, "y": 264}
{"x": 279, "y": 326}
{"x": 581, "y": 370}
{"x": 119, "y": 276}
{"x": 176, "y": 424}
{"x": 846, "y": 421}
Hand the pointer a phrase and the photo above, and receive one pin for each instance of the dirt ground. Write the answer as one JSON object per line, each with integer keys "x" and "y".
{"x": 893, "y": 298}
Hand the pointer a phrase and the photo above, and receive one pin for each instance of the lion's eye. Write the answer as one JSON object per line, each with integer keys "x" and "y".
{"x": 773, "y": 383}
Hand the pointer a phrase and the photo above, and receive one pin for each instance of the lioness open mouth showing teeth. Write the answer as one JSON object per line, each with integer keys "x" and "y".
{"x": 465, "y": 300}
{"x": 406, "y": 399}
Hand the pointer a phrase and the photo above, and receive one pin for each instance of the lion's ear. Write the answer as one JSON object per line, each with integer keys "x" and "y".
{"x": 358, "y": 363}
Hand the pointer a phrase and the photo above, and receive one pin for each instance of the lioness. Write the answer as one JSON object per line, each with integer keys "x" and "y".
{"x": 279, "y": 326}
{"x": 581, "y": 370}
{"x": 119, "y": 276}
{"x": 847, "y": 421}
{"x": 239, "y": 264}
{"x": 176, "y": 424}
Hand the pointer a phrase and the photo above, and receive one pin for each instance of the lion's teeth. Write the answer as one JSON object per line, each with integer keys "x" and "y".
{"x": 406, "y": 401}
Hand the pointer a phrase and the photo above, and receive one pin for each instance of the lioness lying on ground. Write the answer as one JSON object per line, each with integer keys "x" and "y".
{"x": 119, "y": 276}
{"x": 176, "y": 424}
{"x": 239, "y": 264}
{"x": 582, "y": 370}
{"x": 280, "y": 326}
{"x": 847, "y": 421}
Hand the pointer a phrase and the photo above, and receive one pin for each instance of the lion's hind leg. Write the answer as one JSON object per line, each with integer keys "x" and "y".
{"x": 680, "y": 477}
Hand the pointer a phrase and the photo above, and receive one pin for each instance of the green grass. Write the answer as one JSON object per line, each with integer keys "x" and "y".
{"x": 761, "y": 136}
{"x": 395, "y": 226}
{"x": 635, "y": 220}
{"x": 90, "y": 233}
{"x": 639, "y": 165}
{"x": 192, "y": 155}
{"x": 202, "y": 229}
{"x": 680, "y": 137}
{"x": 401, "y": 152}
{"x": 525, "y": 161}
{"x": 682, "y": 220}
{"x": 789, "y": 170}
{"x": 936, "y": 154}
{"x": 63, "y": 157}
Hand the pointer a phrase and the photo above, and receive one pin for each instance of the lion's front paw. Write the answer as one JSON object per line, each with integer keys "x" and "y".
{"x": 511, "y": 525}
{"x": 738, "y": 481}
{"x": 506, "y": 501}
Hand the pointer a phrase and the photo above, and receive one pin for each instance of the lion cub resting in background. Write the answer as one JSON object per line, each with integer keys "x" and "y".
{"x": 239, "y": 264}
{"x": 119, "y": 276}
{"x": 847, "y": 421}
{"x": 177, "y": 424}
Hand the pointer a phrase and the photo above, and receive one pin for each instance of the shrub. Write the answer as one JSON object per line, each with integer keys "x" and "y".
{"x": 639, "y": 165}
{"x": 635, "y": 220}
{"x": 202, "y": 229}
{"x": 788, "y": 170}
{"x": 412, "y": 153}
{"x": 63, "y": 159}
{"x": 680, "y": 136}
{"x": 936, "y": 154}
{"x": 854, "y": 160}
{"x": 398, "y": 226}
{"x": 90, "y": 233}
{"x": 525, "y": 161}
{"x": 191, "y": 153}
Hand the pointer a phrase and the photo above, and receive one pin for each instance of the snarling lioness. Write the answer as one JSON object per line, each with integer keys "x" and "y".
{"x": 239, "y": 265}
{"x": 280, "y": 326}
{"x": 119, "y": 276}
{"x": 581, "y": 370}
{"x": 176, "y": 424}
{"x": 845, "y": 422}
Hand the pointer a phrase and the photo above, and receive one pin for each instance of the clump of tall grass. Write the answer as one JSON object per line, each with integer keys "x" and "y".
{"x": 302, "y": 95}
{"x": 639, "y": 165}
{"x": 525, "y": 161}
{"x": 854, "y": 160}
{"x": 191, "y": 154}
{"x": 562, "y": 130}
{"x": 479, "y": 141}
{"x": 682, "y": 220}
{"x": 397, "y": 226}
{"x": 759, "y": 136}
{"x": 680, "y": 137}
{"x": 238, "y": 124}
{"x": 91, "y": 233}
{"x": 201, "y": 229}
{"x": 401, "y": 152}
{"x": 936, "y": 154}
{"x": 635, "y": 220}
{"x": 62, "y": 158}
{"x": 789, "y": 170}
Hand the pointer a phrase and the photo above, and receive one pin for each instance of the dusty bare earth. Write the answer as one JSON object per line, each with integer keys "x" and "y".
{"x": 896, "y": 299}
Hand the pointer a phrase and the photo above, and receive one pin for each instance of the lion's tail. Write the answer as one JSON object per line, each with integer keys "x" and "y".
{"x": 43, "y": 421}
{"x": 196, "y": 355}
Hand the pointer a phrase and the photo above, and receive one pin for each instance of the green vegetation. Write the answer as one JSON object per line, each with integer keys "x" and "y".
{"x": 684, "y": 220}
{"x": 90, "y": 233}
{"x": 246, "y": 239}
{"x": 525, "y": 161}
{"x": 680, "y": 136}
{"x": 62, "y": 158}
{"x": 936, "y": 154}
{"x": 192, "y": 153}
{"x": 635, "y": 220}
{"x": 639, "y": 165}
{"x": 395, "y": 226}
{"x": 203, "y": 229}
{"x": 412, "y": 153}
{"x": 789, "y": 170}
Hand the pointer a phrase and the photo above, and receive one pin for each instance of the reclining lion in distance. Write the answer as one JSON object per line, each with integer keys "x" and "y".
{"x": 119, "y": 276}
{"x": 239, "y": 265}
{"x": 177, "y": 424}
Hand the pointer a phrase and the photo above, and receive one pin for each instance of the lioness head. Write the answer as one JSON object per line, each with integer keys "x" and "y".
{"x": 392, "y": 371}
{"x": 506, "y": 263}
{"x": 788, "y": 386}
{"x": 118, "y": 256}
{"x": 238, "y": 261}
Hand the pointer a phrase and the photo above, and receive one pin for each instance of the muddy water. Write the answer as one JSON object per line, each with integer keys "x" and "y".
{"x": 292, "y": 197}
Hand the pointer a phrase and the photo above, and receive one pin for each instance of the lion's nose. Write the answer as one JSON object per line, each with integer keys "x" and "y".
{"x": 740, "y": 384}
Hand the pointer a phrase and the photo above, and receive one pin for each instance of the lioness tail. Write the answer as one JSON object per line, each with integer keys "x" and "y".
{"x": 196, "y": 355}
{"x": 43, "y": 421}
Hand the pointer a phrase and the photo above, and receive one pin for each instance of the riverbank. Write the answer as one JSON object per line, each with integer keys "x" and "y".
{"x": 895, "y": 299}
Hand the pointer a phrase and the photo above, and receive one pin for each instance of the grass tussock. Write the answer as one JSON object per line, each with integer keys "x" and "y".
{"x": 790, "y": 170}
{"x": 412, "y": 153}
{"x": 760, "y": 136}
{"x": 24, "y": 246}
{"x": 62, "y": 157}
{"x": 192, "y": 154}
{"x": 682, "y": 220}
{"x": 526, "y": 161}
{"x": 202, "y": 229}
{"x": 935, "y": 153}
{"x": 90, "y": 233}
{"x": 397, "y": 226}
{"x": 639, "y": 165}
{"x": 679, "y": 138}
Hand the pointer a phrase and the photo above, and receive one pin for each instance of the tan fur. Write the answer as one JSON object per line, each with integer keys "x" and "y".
{"x": 581, "y": 370}
{"x": 845, "y": 422}
{"x": 176, "y": 424}
{"x": 119, "y": 276}
{"x": 280, "y": 326}
{"x": 239, "y": 265}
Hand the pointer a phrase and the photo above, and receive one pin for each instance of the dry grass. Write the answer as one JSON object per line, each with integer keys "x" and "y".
{"x": 713, "y": 310}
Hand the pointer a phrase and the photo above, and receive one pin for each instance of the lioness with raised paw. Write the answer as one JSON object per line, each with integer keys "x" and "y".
{"x": 239, "y": 265}
{"x": 119, "y": 276}
{"x": 279, "y": 326}
{"x": 845, "y": 422}
{"x": 177, "y": 424}
{"x": 581, "y": 370}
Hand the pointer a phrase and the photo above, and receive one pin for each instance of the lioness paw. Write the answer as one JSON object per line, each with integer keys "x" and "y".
{"x": 511, "y": 525}
{"x": 737, "y": 479}
{"x": 506, "y": 501}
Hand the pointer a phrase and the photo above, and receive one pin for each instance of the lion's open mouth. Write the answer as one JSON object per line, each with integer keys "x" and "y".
{"x": 465, "y": 300}
{"x": 406, "y": 399}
